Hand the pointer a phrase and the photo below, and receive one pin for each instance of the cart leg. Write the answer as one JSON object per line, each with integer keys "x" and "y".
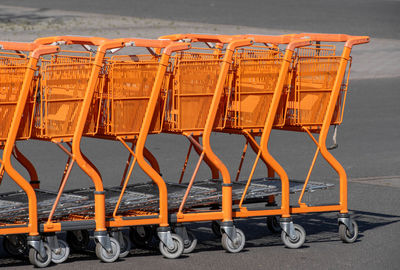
{"x": 189, "y": 239}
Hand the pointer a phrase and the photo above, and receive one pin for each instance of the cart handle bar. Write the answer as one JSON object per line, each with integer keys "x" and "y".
{"x": 169, "y": 46}
{"x": 68, "y": 40}
{"x": 36, "y": 49}
{"x": 283, "y": 39}
{"x": 148, "y": 43}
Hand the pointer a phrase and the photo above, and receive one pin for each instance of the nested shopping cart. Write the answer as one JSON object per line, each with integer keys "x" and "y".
{"x": 133, "y": 106}
{"x": 17, "y": 106}
{"x": 257, "y": 93}
{"x": 314, "y": 100}
{"x": 9, "y": 60}
{"x": 63, "y": 103}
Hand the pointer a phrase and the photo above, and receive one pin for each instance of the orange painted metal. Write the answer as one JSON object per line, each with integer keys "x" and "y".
{"x": 12, "y": 131}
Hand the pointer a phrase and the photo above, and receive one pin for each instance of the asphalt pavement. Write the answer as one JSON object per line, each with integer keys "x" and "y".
{"x": 369, "y": 144}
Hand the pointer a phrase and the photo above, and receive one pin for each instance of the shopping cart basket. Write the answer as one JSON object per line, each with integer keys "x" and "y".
{"x": 18, "y": 77}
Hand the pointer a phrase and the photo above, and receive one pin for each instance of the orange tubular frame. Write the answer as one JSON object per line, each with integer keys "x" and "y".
{"x": 144, "y": 130}
{"x": 36, "y": 50}
{"x": 321, "y": 144}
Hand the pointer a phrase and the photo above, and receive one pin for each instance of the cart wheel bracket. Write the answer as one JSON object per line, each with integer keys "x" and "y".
{"x": 53, "y": 243}
{"x": 288, "y": 227}
{"x": 230, "y": 231}
{"x": 104, "y": 240}
{"x": 345, "y": 219}
{"x": 166, "y": 237}
{"x": 36, "y": 243}
{"x": 182, "y": 232}
{"x": 118, "y": 235}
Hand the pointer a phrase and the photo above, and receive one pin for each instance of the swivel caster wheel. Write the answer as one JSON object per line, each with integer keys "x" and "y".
{"x": 298, "y": 241}
{"x": 125, "y": 246}
{"x": 190, "y": 244}
{"x": 345, "y": 234}
{"x": 39, "y": 261}
{"x": 106, "y": 256}
{"x": 233, "y": 246}
{"x": 176, "y": 251}
{"x": 60, "y": 255}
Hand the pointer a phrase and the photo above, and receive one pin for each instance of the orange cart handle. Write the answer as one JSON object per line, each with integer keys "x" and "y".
{"x": 68, "y": 40}
{"x": 350, "y": 40}
{"x": 199, "y": 37}
{"x": 17, "y": 46}
{"x": 141, "y": 42}
{"x": 36, "y": 49}
{"x": 298, "y": 43}
{"x": 239, "y": 43}
{"x": 356, "y": 41}
{"x": 284, "y": 39}
{"x": 44, "y": 49}
{"x": 176, "y": 46}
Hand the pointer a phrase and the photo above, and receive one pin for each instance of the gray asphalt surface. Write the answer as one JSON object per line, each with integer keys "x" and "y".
{"x": 369, "y": 147}
{"x": 358, "y": 17}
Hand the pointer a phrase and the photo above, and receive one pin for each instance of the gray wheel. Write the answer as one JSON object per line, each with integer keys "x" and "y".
{"x": 125, "y": 246}
{"x": 62, "y": 254}
{"x": 237, "y": 245}
{"x": 190, "y": 245}
{"x": 298, "y": 241}
{"x": 273, "y": 224}
{"x": 216, "y": 228}
{"x": 345, "y": 234}
{"x": 174, "y": 252}
{"x": 37, "y": 260}
{"x": 106, "y": 256}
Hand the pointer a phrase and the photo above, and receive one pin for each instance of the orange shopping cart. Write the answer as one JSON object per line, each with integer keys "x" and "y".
{"x": 134, "y": 105}
{"x": 260, "y": 77}
{"x": 17, "y": 106}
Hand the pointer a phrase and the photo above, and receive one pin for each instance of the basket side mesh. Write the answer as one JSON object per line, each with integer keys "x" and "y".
{"x": 128, "y": 93}
{"x": 63, "y": 87}
{"x": 254, "y": 89}
{"x": 193, "y": 90}
{"x": 11, "y": 79}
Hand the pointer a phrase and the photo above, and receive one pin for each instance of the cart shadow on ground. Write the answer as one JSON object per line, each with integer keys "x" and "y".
{"x": 320, "y": 227}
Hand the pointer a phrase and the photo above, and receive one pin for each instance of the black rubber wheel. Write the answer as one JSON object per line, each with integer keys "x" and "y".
{"x": 108, "y": 257}
{"x": 78, "y": 242}
{"x": 273, "y": 224}
{"x": 37, "y": 260}
{"x": 298, "y": 241}
{"x": 345, "y": 234}
{"x": 15, "y": 245}
{"x": 141, "y": 236}
{"x": 125, "y": 246}
{"x": 233, "y": 247}
{"x": 174, "y": 252}
{"x": 216, "y": 228}
{"x": 63, "y": 253}
{"x": 189, "y": 245}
